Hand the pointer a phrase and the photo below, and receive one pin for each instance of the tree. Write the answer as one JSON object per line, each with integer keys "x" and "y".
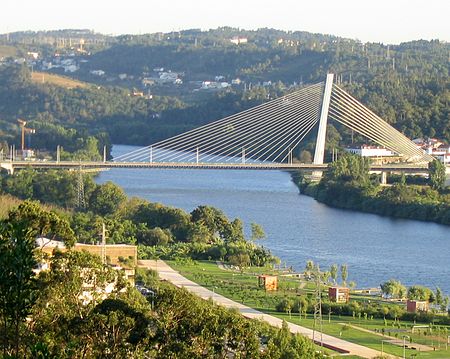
{"x": 334, "y": 272}
{"x": 305, "y": 156}
{"x": 29, "y": 214}
{"x": 395, "y": 312}
{"x": 21, "y": 183}
{"x": 199, "y": 233}
{"x": 439, "y": 296}
{"x": 118, "y": 327}
{"x": 393, "y": 289}
{"x": 106, "y": 198}
{"x": 344, "y": 274}
{"x": 437, "y": 174}
{"x": 73, "y": 287}
{"x": 285, "y": 305}
{"x": 157, "y": 236}
{"x": 284, "y": 345}
{"x": 309, "y": 266}
{"x": 418, "y": 292}
{"x": 300, "y": 306}
{"x": 349, "y": 168}
{"x": 17, "y": 283}
{"x": 211, "y": 217}
{"x": 257, "y": 232}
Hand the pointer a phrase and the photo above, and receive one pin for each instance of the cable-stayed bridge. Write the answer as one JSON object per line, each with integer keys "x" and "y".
{"x": 265, "y": 136}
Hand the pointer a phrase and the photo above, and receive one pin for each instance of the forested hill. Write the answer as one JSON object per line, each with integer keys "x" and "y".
{"x": 407, "y": 84}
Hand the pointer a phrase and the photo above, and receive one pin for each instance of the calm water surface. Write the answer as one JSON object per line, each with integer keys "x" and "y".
{"x": 299, "y": 228}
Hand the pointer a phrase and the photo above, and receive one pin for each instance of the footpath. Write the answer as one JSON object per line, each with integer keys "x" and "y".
{"x": 167, "y": 273}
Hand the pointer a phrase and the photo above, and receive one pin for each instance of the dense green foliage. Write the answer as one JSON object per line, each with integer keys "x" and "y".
{"x": 347, "y": 184}
{"x": 66, "y": 312}
{"x": 437, "y": 174}
{"x": 161, "y": 231}
{"x": 393, "y": 289}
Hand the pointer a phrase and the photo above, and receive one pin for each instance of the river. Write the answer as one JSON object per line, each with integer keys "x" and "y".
{"x": 298, "y": 228}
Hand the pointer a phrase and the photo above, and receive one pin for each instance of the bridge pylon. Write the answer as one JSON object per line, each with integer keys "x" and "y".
{"x": 323, "y": 121}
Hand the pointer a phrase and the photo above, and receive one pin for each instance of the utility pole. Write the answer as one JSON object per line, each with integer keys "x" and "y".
{"x": 317, "y": 304}
{"x": 103, "y": 243}
{"x": 81, "y": 203}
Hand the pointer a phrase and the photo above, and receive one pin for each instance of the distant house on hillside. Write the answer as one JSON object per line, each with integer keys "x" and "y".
{"x": 97, "y": 72}
{"x": 370, "y": 151}
{"x": 238, "y": 40}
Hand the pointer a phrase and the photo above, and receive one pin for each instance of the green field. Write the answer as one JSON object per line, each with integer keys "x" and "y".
{"x": 243, "y": 287}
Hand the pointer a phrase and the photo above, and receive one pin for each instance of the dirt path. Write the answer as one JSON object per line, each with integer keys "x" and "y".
{"x": 167, "y": 273}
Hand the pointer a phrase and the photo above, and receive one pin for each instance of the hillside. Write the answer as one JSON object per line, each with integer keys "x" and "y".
{"x": 56, "y": 80}
{"x": 152, "y": 86}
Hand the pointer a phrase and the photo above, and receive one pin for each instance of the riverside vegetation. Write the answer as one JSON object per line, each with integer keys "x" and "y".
{"x": 158, "y": 230}
{"x": 45, "y": 315}
{"x": 347, "y": 184}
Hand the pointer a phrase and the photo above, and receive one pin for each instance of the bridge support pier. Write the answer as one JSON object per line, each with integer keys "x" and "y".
{"x": 319, "y": 153}
{"x": 383, "y": 178}
{"x": 8, "y": 166}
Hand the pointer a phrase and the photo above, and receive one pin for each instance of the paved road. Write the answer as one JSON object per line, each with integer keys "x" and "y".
{"x": 167, "y": 273}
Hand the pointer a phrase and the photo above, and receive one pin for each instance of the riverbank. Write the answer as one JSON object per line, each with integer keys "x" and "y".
{"x": 398, "y": 201}
{"x": 348, "y": 184}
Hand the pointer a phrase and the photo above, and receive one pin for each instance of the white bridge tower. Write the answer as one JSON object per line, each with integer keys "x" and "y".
{"x": 322, "y": 133}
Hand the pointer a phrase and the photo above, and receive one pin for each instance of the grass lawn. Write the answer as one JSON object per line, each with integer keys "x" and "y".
{"x": 243, "y": 287}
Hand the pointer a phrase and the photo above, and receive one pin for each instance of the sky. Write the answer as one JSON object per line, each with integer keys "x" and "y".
{"x": 387, "y": 21}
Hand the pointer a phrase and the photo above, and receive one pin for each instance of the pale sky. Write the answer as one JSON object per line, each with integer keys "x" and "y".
{"x": 388, "y": 21}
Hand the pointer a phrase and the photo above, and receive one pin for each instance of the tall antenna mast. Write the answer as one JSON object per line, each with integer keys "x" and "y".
{"x": 317, "y": 304}
{"x": 81, "y": 203}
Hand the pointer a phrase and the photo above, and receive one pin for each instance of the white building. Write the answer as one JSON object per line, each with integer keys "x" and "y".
{"x": 33, "y": 54}
{"x": 434, "y": 147}
{"x": 238, "y": 40}
{"x": 165, "y": 77}
{"x": 370, "y": 151}
{"x": 97, "y": 72}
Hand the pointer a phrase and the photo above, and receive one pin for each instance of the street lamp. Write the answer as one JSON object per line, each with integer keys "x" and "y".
{"x": 404, "y": 345}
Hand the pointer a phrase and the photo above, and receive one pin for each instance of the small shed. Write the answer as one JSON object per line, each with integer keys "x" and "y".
{"x": 413, "y": 306}
{"x": 338, "y": 294}
{"x": 268, "y": 282}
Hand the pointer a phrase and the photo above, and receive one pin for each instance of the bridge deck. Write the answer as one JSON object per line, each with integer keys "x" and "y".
{"x": 402, "y": 167}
